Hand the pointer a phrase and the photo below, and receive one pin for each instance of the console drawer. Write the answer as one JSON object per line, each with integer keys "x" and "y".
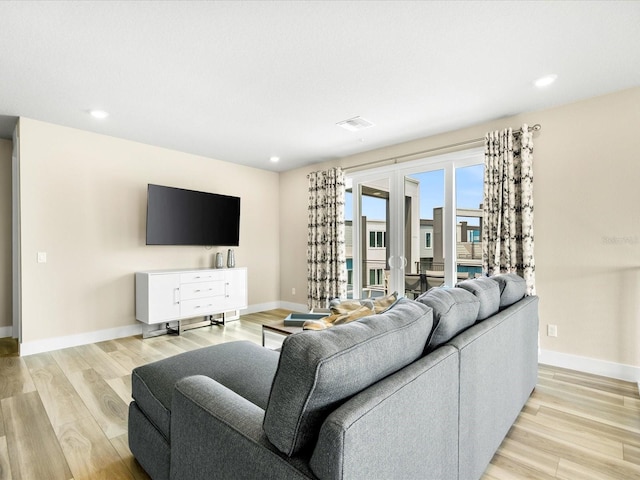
{"x": 190, "y": 291}
{"x": 204, "y": 276}
{"x": 199, "y": 306}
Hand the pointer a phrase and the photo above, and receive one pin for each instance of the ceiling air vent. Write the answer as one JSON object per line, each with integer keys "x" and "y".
{"x": 354, "y": 124}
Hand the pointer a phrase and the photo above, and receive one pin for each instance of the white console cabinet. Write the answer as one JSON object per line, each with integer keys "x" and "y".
{"x": 164, "y": 296}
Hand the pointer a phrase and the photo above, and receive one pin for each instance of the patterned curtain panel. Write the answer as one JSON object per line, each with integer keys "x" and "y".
{"x": 507, "y": 228}
{"x": 326, "y": 258}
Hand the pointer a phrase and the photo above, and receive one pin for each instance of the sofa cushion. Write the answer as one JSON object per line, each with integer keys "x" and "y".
{"x": 512, "y": 288}
{"x": 319, "y": 370}
{"x": 454, "y": 309}
{"x": 244, "y": 367}
{"x": 487, "y": 291}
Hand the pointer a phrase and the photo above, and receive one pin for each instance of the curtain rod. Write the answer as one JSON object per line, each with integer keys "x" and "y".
{"x": 395, "y": 159}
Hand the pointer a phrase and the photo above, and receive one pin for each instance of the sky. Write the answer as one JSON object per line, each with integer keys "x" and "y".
{"x": 469, "y": 188}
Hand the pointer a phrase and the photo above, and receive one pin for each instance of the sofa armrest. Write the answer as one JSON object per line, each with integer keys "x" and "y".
{"x": 498, "y": 371}
{"x": 216, "y": 433}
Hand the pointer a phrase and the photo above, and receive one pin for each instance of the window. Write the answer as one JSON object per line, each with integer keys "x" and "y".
{"x": 473, "y": 236}
{"x": 377, "y": 239}
{"x": 376, "y": 276}
{"x": 427, "y": 240}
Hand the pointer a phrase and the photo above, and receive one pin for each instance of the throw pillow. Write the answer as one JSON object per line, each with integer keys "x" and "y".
{"x": 338, "y": 318}
{"x": 381, "y": 304}
{"x": 346, "y": 306}
{"x": 349, "y": 310}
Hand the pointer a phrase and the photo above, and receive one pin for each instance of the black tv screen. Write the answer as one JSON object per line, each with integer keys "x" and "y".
{"x": 176, "y": 216}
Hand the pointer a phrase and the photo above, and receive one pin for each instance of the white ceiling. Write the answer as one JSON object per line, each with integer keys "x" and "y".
{"x": 241, "y": 81}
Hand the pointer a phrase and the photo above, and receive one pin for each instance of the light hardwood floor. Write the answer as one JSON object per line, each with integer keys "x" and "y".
{"x": 63, "y": 414}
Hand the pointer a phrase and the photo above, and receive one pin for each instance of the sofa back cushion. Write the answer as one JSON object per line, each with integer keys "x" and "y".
{"x": 454, "y": 309}
{"x": 487, "y": 291}
{"x": 512, "y": 288}
{"x": 319, "y": 370}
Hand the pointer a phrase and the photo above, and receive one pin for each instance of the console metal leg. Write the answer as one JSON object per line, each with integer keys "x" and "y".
{"x": 149, "y": 331}
{"x": 221, "y": 321}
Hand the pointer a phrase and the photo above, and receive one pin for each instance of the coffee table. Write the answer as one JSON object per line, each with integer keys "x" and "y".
{"x": 279, "y": 328}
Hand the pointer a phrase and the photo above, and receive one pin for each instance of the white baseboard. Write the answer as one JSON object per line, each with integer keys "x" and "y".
{"x": 57, "y": 343}
{"x": 590, "y": 365}
{"x": 296, "y": 307}
{"x": 6, "y": 332}
{"x": 261, "y": 307}
{"x": 49, "y": 344}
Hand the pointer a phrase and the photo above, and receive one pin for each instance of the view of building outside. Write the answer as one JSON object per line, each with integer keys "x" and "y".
{"x": 374, "y": 269}
{"x": 427, "y": 254}
{"x": 469, "y": 192}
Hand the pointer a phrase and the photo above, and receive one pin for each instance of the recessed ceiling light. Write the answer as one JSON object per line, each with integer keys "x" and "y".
{"x": 274, "y": 159}
{"x": 99, "y": 114}
{"x": 545, "y": 81}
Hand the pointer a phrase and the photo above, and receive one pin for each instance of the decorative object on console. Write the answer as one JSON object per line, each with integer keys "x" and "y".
{"x": 219, "y": 260}
{"x": 231, "y": 258}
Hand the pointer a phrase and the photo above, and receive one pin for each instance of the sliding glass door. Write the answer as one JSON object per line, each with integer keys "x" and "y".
{"x": 415, "y": 226}
{"x": 424, "y": 229}
{"x": 370, "y": 248}
{"x": 469, "y": 183}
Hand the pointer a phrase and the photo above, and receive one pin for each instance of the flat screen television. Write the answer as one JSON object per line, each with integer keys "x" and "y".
{"x": 176, "y": 216}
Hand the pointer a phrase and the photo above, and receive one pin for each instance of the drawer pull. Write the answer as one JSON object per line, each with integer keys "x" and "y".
{"x": 200, "y": 306}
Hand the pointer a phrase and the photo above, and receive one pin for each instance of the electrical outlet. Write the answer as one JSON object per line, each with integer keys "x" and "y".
{"x": 293, "y": 291}
{"x": 42, "y": 257}
{"x": 552, "y": 330}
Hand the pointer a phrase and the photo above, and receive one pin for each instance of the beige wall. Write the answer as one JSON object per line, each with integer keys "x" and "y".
{"x": 5, "y": 233}
{"x": 84, "y": 204}
{"x": 587, "y": 222}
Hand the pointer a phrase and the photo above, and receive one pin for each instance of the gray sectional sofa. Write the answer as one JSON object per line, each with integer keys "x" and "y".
{"x": 427, "y": 389}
